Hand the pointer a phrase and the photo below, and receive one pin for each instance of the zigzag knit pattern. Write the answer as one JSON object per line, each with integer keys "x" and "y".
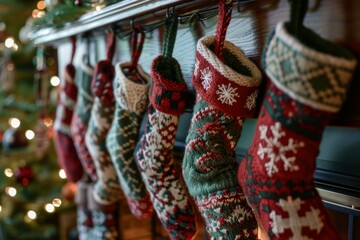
{"x": 67, "y": 156}
{"x": 81, "y": 117}
{"x": 277, "y": 174}
{"x": 131, "y": 101}
{"x": 224, "y": 96}
{"x": 107, "y": 189}
{"x": 169, "y": 197}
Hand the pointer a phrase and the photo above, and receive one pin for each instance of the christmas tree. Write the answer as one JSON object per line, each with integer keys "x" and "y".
{"x": 31, "y": 183}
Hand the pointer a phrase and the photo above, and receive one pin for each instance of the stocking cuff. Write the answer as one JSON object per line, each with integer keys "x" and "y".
{"x": 316, "y": 74}
{"x": 230, "y": 87}
{"x": 131, "y": 95}
{"x": 168, "y": 90}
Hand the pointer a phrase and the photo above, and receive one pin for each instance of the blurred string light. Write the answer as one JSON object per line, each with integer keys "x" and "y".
{"x": 0, "y": 208}
{"x": 9, "y": 42}
{"x": 29, "y": 134}
{"x": 62, "y": 174}
{"x": 31, "y": 214}
{"x": 8, "y": 172}
{"x": 11, "y": 191}
{"x": 55, "y": 81}
{"x": 56, "y": 202}
{"x": 49, "y": 208}
{"x": 41, "y": 5}
{"x": 14, "y": 122}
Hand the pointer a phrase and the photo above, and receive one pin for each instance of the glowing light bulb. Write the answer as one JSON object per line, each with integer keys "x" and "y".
{"x": 62, "y": 174}
{"x": 11, "y": 191}
{"x": 41, "y": 5}
{"x": 9, "y": 42}
{"x": 55, "y": 81}
{"x": 56, "y": 202}
{"x": 14, "y": 122}
{"x": 8, "y": 172}
{"x": 49, "y": 208}
{"x": 29, "y": 134}
{"x": 98, "y": 8}
{"x": 32, "y": 214}
{"x": 0, "y": 208}
{"x": 40, "y": 14}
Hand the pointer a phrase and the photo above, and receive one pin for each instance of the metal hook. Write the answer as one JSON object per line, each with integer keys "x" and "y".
{"x": 170, "y": 12}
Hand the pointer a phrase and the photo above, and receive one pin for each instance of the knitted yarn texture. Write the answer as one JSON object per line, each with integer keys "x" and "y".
{"x": 81, "y": 117}
{"x": 66, "y": 152}
{"x": 226, "y": 94}
{"x": 131, "y": 102}
{"x": 308, "y": 84}
{"x": 107, "y": 188}
{"x": 167, "y": 102}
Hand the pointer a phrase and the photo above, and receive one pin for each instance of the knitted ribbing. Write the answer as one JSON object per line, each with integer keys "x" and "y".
{"x": 131, "y": 101}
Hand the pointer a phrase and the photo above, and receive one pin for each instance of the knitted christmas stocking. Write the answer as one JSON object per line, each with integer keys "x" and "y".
{"x": 308, "y": 84}
{"x": 107, "y": 189}
{"x": 104, "y": 219}
{"x": 168, "y": 195}
{"x": 226, "y": 93}
{"x": 66, "y": 151}
{"x": 131, "y": 101}
{"x": 84, "y": 217}
{"x": 81, "y": 117}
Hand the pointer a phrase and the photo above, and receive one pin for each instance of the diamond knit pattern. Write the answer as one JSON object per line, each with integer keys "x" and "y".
{"x": 107, "y": 188}
{"x": 277, "y": 174}
{"x": 170, "y": 199}
{"x": 67, "y": 156}
{"x": 209, "y": 166}
{"x": 81, "y": 117}
{"x": 131, "y": 101}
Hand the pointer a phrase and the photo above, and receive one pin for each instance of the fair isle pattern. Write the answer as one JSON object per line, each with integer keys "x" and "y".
{"x": 210, "y": 173}
{"x": 104, "y": 226}
{"x": 230, "y": 210}
{"x": 169, "y": 197}
{"x": 84, "y": 223}
{"x": 107, "y": 189}
{"x": 287, "y": 204}
{"x": 311, "y": 77}
{"x": 131, "y": 101}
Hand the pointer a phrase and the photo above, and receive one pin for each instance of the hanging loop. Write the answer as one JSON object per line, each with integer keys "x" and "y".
{"x": 170, "y": 36}
{"x": 110, "y": 44}
{"x": 298, "y": 10}
{"x": 73, "y": 48}
{"x": 225, "y": 8}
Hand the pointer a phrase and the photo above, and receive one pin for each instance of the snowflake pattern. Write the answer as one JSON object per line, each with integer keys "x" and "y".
{"x": 226, "y": 94}
{"x": 251, "y": 100}
{"x": 295, "y": 222}
{"x": 276, "y": 151}
{"x": 206, "y": 78}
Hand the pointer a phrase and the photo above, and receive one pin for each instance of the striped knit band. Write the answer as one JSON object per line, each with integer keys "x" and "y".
{"x": 314, "y": 78}
{"x": 225, "y": 87}
{"x": 168, "y": 90}
{"x": 131, "y": 95}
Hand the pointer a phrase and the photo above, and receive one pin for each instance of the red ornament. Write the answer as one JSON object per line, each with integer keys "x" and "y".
{"x": 78, "y": 3}
{"x": 69, "y": 190}
{"x": 24, "y": 175}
